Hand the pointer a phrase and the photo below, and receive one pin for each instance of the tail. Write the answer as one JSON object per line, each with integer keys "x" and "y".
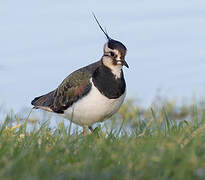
{"x": 45, "y": 101}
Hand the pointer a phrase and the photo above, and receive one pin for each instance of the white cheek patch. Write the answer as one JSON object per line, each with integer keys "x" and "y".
{"x": 108, "y": 61}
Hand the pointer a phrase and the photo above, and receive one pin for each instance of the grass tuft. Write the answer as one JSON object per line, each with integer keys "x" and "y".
{"x": 162, "y": 142}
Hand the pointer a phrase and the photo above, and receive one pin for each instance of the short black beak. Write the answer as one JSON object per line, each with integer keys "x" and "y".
{"x": 125, "y": 64}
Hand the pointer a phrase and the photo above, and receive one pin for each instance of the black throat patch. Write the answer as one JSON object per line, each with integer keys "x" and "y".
{"x": 106, "y": 82}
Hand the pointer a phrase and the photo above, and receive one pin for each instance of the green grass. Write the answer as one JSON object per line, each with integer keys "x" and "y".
{"x": 161, "y": 142}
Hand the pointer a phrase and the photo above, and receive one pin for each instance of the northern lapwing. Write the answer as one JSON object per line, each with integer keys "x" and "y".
{"x": 93, "y": 93}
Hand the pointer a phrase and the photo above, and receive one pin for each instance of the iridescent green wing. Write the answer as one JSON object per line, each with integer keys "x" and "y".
{"x": 73, "y": 88}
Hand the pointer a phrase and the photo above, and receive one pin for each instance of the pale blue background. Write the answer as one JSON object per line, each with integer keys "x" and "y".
{"x": 42, "y": 41}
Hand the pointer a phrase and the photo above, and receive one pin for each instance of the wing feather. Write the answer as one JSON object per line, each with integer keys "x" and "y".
{"x": 74, "y": 87}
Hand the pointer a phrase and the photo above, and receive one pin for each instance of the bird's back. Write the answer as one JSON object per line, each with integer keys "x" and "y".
{"x": 76, "y": 79}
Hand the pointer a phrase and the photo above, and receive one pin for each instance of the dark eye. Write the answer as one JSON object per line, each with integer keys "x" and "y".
{"x": 112, "y": 54}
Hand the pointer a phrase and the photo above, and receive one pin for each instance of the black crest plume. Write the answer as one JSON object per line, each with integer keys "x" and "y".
{"x": 106, "y": 34}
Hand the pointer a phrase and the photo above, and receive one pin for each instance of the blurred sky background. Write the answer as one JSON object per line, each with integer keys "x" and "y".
{"x": 41, "y": 42}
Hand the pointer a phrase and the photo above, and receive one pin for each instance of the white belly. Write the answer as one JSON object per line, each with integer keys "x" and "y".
{"x": 94, "y": 107}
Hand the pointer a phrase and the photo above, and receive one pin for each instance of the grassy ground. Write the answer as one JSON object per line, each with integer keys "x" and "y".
{"x": 161, "y": 142}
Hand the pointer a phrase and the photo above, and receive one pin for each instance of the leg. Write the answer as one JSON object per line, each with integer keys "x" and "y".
{"x": 84, "y": 130}
{"x": 90, "y": 128}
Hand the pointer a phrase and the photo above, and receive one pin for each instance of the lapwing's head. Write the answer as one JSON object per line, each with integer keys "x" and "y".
{"x": 114, "y": 52}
